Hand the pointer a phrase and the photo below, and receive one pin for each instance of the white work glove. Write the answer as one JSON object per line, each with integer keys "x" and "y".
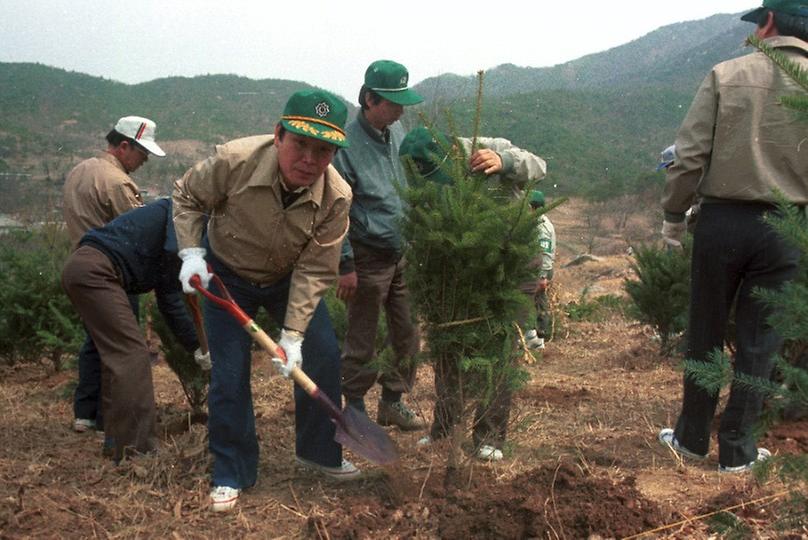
{"x": 673, "y": 233}
{"x": 291, "y": 342}
{"x": 203, "y": 360}
{"x": 193, "y": 264}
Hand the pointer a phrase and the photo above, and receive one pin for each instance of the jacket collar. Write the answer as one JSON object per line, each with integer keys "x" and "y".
{"x": 381, "y": 137}
{"x": 106, "y": 156}
{"x": 779, "y": 42}
{"x": 267, "y": 173}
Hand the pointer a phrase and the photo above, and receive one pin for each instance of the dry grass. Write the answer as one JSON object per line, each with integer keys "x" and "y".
{"x": 598, "y": 395}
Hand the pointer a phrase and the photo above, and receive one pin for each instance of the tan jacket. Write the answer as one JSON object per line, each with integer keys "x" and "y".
{"x": 251, "y": 232}
{"x": 97, "y": 191}
{"x": 737, "y": 142}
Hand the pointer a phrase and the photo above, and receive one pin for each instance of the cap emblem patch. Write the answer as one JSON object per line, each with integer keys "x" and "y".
{"x": 322, "y": 109}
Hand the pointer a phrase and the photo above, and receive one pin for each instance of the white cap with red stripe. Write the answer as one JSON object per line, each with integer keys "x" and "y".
{"x": 142, "y": 131}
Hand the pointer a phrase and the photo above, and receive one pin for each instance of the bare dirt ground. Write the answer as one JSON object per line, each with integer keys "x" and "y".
{"x": 582, "y": 459}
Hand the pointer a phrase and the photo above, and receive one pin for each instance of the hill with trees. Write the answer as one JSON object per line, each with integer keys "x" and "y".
{"x": 676, "y": 57}
{"x": 600, "y": 121}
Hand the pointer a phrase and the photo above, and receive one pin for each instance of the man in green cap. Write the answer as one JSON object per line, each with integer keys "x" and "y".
{"x": 736, "y": 148}
{"x": 499, "y": 159}
{"x": 371, "y": 267}
{"x": 547, "y": 243}
{"x": 278, "y": 215}
{"x": 510, "y": 168}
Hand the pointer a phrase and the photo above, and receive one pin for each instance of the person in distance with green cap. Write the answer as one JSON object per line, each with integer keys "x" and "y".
{"x": 497, "y": 158}
{"x": 737, "y": 147}
{"x": 513, "y": 168}
{"x": 547, "y": 242}
{"x": 278, "y": 215}
{"x": 371, "y": 267}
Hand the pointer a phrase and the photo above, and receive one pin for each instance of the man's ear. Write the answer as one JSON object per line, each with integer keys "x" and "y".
{"x": 768, "y": 29}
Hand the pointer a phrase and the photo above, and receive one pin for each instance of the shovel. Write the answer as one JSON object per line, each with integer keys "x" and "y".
{"x": 354, "y": 429}
{"x": 193, "y": 303}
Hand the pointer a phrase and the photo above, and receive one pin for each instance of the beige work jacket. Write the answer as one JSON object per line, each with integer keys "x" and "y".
{"x": 737, "y": 142}
{"x": 97, "y": 191}
{"x": 250, "y": 231}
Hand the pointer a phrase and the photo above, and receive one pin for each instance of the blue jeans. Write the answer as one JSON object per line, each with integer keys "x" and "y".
{"x": 231, "y": 421}
{"x": 87, "y": 397}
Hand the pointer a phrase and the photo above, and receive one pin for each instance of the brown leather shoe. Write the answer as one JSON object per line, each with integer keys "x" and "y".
{"x": 395, "y": 413}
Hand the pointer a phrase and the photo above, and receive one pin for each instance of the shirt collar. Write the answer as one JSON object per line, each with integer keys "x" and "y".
{"x": 268, "y": 174}
{"x": 381, "y": 136}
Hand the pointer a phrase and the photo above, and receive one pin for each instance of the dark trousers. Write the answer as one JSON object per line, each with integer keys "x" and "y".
{"x": 231, "y": 422}
{"x": 544, "y": 318}
{"x": 91, "y": 282}
{"x": 490, "y": 419}
{"x": 734, "y": 252}
{"x": 87, "y": 397}
{"x": 380, "y": 286}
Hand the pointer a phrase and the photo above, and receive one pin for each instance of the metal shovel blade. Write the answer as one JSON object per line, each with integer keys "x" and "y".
{"x": 361, "y": 435}
{"x": 354, "y": 429}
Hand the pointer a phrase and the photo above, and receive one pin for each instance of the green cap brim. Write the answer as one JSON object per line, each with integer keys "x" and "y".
{"x": 316, "y": 131}
{"x": 401, "y": 97}
{"x": 753, "y": 15}
{"x": 440, "y": 177}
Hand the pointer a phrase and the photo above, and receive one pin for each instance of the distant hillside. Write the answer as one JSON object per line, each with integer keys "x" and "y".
{"x": 52, "y": 118}
{"x": 675, "y": 56}
{"x": 600, "y": 121}
{"x": 37, "y": 101}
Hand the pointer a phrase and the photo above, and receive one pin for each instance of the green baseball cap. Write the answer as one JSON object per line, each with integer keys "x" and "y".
{"x": 427, "y": 152}
{"x": 389, "y": 80}
{"x": 536, "y": 198}
{"x": 798, "y": 8}
{"x": 317, "y": 114}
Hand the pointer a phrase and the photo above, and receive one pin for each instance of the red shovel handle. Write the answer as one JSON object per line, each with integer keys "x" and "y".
{"x": 255, "y": 331}
{"x": 354, "y": 429}
{"x": 193, "y": 303}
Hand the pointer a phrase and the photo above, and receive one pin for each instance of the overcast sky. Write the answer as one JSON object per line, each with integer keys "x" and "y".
{"x": 325, "y": 43}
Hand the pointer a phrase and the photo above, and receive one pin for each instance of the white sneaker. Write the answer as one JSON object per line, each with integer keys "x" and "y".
{"x": 535, "y": 343}
{"x": 223, "y": 498}
{"x": 424, "y": 441}
{"x": 489, "y": 453}
{"x": 666, "y": 438}
{"x": 346, "y": 471}
{"x": 762, "y": 455}
{"x": 531, "y": 334}
{"x": 80, "y": 425}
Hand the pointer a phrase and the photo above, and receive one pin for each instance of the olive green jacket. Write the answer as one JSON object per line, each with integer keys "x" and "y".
{"x": 737, "y": 142}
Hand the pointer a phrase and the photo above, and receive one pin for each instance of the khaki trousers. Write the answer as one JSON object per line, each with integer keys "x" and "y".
{"x": 380, "y": 286}
{"x": 93, "y": 286}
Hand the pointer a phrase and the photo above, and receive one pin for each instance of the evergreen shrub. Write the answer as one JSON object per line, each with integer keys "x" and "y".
{"x": 37, "y": 319}
{"x": 661, "y": 293}
{"x": 469, "y": 249}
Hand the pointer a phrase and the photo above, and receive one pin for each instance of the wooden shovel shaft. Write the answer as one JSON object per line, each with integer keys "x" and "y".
{"x": 255, "y": 331}
{"x": 269, "y": 345}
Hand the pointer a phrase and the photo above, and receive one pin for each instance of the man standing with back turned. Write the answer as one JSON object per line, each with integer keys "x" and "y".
{"x": 97, "y": 191}
{"x": 736, "y": 146}
{"x": 372, "y": 268}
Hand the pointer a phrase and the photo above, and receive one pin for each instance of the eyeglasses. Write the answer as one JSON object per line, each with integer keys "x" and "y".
{"x": 139, "y": 149}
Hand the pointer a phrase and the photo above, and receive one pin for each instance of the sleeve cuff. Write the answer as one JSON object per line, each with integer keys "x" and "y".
{"x": 674, "y": 217}
{"x": 507, "y": 162}
{"x": 346, "y": 266}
